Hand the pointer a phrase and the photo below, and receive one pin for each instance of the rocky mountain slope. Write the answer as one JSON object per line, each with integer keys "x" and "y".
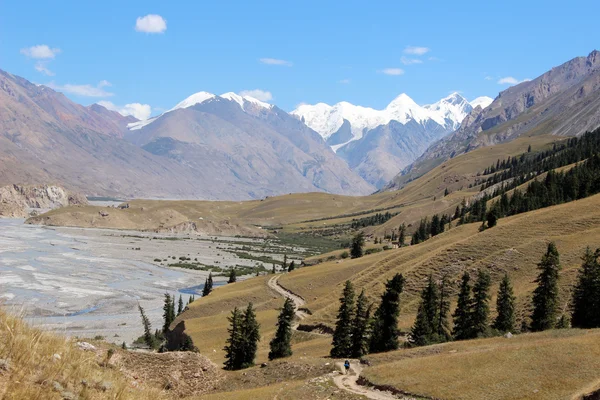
{"x": 377, "y": 143}
{"x": 45, "y": 137}
{"x": 563, "y": 101}
{"x": 18, "y": 201}
{"x": 245, "y": 147}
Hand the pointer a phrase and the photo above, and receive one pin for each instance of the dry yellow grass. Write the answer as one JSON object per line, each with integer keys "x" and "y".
{"x": 561, "y": 364}
{"x": 41, "y": 365}
{"x": 515, "y": 246}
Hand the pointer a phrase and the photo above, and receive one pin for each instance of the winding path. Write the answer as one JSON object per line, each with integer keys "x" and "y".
{"x": 347, "y": 382}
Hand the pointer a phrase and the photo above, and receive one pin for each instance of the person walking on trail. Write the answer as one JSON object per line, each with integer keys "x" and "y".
{"x": 347, "y": 366}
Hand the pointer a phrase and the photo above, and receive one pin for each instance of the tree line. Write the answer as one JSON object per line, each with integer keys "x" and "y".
{"x": 358, "y": 332}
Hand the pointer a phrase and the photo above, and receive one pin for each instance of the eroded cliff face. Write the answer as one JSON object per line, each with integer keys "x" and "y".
{"x": 21, "y": 201}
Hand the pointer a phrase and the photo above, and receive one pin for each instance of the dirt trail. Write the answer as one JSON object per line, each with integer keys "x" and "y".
{"x": 298, "y": 301}
{"x": 347, "y": 382}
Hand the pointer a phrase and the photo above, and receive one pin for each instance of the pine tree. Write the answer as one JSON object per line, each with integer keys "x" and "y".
{"x": 505, "y": 307}
{"x": 274, "y": 270}
{"x": 208, "y": 285}
{"x": 384, "y": 329}
{"x": 424, "y": 331}
{"x": 443, "y": 327}
{"x": 180, "y": 305}
{"x": 360, "y": 327}
{"x": 446, "y": 192}
{"x": 168, "y": 313}
{"x": 292, "y": 266}
{"x": 356, "y": 250}
{"x": 402, "y": 235}
{"x": 234, "y": 342}
{"x": 281, "y": 344}
{"x": 148, "y": 338}
{"x": 586, "y": 295}
{"x": 462, "y": 315}
{"x": 250, "y": 332}
{"x": 284, "y": 265}
{"x": 545, "y": 296}
{"x": 232, "y": 275}
{"x": 342, "y": 336}
{"x": 481, "y": 310}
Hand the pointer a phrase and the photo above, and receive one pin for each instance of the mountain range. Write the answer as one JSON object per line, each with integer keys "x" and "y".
{"x": 237, "y": 147}
{"x": 377, "y": 143}
{"x": 564, "y": 101}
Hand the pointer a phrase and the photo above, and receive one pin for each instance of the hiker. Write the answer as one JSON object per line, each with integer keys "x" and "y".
{"x": 347, "y": 365}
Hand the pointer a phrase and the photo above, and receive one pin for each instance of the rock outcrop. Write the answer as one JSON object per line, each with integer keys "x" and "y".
{"x": 20, "y": 201}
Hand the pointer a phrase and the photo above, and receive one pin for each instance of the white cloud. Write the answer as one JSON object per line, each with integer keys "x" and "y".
{"x": 345, "y": 81}
{"x": 83, "y": 90}
{"x": 275, "y": 61}
{"x": 138, "y": 110}
{"x": 488, "y": 78}
{"x": 104, "y": 83}
{"x": 151, "y": 23}
{"x": 258, "y": 94}
{"x": 418, "y": 51}
{"x": 41, "y": 66}
{"x": 410, "y": 61}
{"x": 509, "y": 80}
{"x": 393, "y": 71}
{"x": 41, "y": 51}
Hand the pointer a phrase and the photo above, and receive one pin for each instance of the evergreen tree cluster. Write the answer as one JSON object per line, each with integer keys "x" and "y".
{"x": 208, "y": 285}
{"x": 586, "y": 294}
{"x": 431, "y": 325}
{"x": 356, "y": 248}
{"x": 377, "y": 219}
{"x": 429, "y": 228}
{"x": 582, "y": 180}
{"x": 244, "y": 335}
{"x": 356, "y": 332}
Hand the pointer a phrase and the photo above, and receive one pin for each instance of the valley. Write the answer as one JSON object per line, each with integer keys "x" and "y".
{"x": 377, "y": 205}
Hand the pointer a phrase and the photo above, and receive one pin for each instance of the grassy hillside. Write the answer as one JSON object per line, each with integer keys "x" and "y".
{"x": 515, "y": 246}
{"x": 554, "y": 365}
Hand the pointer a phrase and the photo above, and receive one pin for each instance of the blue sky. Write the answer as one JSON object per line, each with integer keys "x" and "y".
{"x": 329, "y": 51}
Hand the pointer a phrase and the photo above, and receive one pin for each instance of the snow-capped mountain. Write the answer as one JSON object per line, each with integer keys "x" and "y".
{"x": 202, "y": 97}
{"x": 482, "y": 101}
{"x": 377, "y": 143}
{"x": 327, "y": 120}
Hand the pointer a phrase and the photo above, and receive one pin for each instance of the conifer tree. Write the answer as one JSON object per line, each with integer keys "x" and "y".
{"x": 274, "y": 270}
{"x": 292, "y": 266}
{"x": 148, "y": 338}
{"x": 250, "y": 332}
{"x": 384, "y": 329}
{"x": 180, "y": 305}
{"x": 402, "y": 235}
{"x": 168, "y": 313}
{"x": 481, "y": 310}
{"x": 232, "y": 275}
{"x": 586, "y": 295}
{"x": 356, "y": 250}
{"x": 443, "y": 328}
{"x": 284, "y": 265}
{"x": 360, "y": 327}
{"x": 505, "y": 307}
{"x": 281, "y": 344}
{"x": 342, "y": 336}
{"x": 234, "y": 342}
{"x": 545, "y": 295}
{"x": 208, "y": 285}
{"x": 462, "y": 315}
{"x": 424, "y": 331}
